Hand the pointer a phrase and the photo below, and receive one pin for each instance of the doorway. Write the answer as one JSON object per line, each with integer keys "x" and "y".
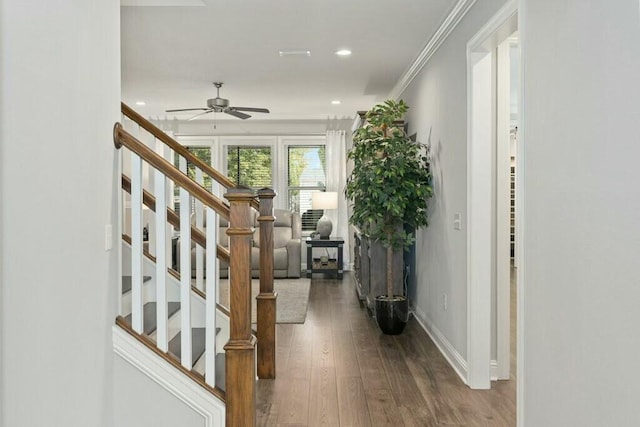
{"x": 507, "y": 120}
{"x": 490, "y": 125}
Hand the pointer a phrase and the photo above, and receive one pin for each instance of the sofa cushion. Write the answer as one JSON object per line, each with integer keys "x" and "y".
{"x": 280, "y": 258}
{"x": 282, "y": 231}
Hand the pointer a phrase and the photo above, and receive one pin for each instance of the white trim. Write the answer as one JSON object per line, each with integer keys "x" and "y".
{"x": 495, "y": 371}
{"x": 448, "y": 25}
{"x": 502, "y": 213}
{"x": 498, "y": 20}
{"x": 520, "y": 227}
{"x": 479, "y": 257}
{"x": 117, "y": 237}
{"x": 447, "y": 349}
{"x": 161, "y": 372}
{"x": 137, "y": 303}
{"x": 282, "y": 185}
{"x": 479, "y": 208}
{"x": 185, "y": 268}
{"x": 161, "y": 259}
{"x": 212, "y": 289}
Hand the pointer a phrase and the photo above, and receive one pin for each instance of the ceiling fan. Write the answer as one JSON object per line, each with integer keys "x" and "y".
{"x": 221, "y": 105}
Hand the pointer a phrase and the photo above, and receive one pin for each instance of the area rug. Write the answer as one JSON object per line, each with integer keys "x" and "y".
{"x": 292, "y": 302}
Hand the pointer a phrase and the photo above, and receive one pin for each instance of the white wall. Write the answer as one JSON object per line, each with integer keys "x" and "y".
{"x": 60, "y": 98}
{"x": 438, "y": 113}
{"x": 581, "y": 201}
{"x": 141, "y": 402}
{"x": 2, "y": 60}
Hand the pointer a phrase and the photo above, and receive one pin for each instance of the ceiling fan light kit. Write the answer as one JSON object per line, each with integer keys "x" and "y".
{"x": 221, "y": 105}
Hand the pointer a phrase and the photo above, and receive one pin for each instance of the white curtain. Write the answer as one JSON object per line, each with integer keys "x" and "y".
{"x": 336, "y": 158}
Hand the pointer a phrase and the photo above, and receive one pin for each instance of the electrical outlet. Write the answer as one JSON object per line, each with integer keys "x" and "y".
{"x": 445, "y": 302}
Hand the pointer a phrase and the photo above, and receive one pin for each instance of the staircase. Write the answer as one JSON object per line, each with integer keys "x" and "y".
{"x": 198, "y": 334}
{"x": 171, "y": 330}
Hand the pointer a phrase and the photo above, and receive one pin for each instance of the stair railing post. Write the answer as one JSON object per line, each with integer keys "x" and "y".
{"x": 240, "y": 374}
{"x": 266, "y": 299}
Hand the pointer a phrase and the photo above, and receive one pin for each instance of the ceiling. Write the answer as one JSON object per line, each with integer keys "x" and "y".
{"x": 173, "y": 51}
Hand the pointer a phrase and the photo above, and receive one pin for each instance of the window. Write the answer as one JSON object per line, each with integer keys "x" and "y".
{"x": 204, "y": 154}
{"x": 250, "y": 166}
{"x": 305, "y": 175}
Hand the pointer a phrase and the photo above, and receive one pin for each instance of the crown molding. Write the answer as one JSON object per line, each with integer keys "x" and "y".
{"x": 448, "y": 25}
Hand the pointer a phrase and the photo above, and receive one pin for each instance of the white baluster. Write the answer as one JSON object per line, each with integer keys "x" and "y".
{"x": 199, "y": 224}
{"x": 136, "y": 244}
{"x": 212, "y": 279}
{"x": 216, "y": 190}
{"x": 168, "y": 155}
{"x": 185, "y": 273}
{"x": 160, "y": 183}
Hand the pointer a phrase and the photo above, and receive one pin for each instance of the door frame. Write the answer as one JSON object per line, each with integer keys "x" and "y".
{"x": 481, "y": 215}
{"x": 501, "y": 370}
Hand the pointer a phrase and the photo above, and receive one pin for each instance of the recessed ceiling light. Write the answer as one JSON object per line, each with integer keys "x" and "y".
{"x": 336, "y": 102}
{"x": 343, "y": 52}
{"x": 300, "y": 52}
{"x": 141, "y": 103}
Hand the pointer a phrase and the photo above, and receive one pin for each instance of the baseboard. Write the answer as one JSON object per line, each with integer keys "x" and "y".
{"x": 494, "y": 373}
{"x": 157, "y": 369}
{"x": 494, "y": 370}
{"x": 455, "y": 359}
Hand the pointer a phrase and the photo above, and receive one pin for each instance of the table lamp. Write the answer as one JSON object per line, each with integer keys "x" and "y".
{"x": 324, "y": 200}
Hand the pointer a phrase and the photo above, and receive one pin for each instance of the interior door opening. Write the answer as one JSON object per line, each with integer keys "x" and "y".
{"x": 507, "y": 120}
{"x": 493, "y": 68}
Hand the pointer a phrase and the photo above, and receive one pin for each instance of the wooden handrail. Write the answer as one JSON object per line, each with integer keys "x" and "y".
{"x": 175, "y": 146}
{"x": 172, "y": 218}
{"x": 122, "y": 137}
{"x": 222, "y": 179}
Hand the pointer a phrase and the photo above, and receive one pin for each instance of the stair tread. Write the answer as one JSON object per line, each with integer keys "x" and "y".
{"x": 149, "y": 315}
{"x": 197, "y": 344}
{"x": 126, "y": 282}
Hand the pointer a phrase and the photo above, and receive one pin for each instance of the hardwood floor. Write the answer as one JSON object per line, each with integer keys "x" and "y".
{"x": 337, "y": 369}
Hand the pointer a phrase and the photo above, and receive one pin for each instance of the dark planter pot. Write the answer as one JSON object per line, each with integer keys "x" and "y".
{"x": 392, "y": 314}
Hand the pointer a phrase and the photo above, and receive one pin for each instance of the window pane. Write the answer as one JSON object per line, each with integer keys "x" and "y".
{"x": 204, "y": 154}
{"x": 250, "y": 166}
{"x": 300, "y": 201}
{"x": 306, "y": 166}
{"x": 306, "y": 175}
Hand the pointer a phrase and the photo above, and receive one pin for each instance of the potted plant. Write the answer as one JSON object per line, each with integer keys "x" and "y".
{"x": 389, "y": 187}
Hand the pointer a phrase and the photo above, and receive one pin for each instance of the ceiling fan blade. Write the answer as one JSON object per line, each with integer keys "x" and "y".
{"x": 199, "y": 114}
{"x": 237, "y": 114}
{"x": 256, "y": 110}
{"x": 186, "y": 109}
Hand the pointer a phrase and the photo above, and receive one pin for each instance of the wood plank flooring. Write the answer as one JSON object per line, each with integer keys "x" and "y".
{"x": 337, "y": 369}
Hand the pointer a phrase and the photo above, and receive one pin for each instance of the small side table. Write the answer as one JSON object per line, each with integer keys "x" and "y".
{"x": 315, "y": 265}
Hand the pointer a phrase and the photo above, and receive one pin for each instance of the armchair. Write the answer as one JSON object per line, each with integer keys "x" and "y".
{"x": 287, "y": 258}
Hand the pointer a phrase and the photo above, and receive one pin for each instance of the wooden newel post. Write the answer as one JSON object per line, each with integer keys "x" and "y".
{"x": 240, "y": 350}
{"x": 266, "y": 299}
